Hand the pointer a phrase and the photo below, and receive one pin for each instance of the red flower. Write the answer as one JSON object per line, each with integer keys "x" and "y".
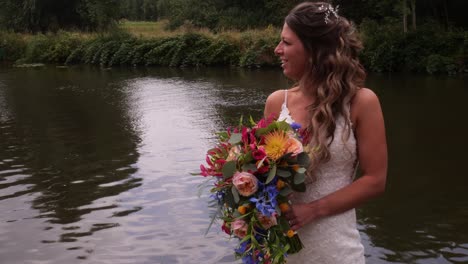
{"x": 226, "y": 228}
{"x": 259, "y": 153}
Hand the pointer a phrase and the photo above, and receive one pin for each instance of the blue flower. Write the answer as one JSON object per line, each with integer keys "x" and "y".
{"x": 242, "y": 247}
{"x": 218, "y": 196}
{"x": 265, "y": 202}
{"x": 295, "y": 126}
{"x": 248, "y": 259}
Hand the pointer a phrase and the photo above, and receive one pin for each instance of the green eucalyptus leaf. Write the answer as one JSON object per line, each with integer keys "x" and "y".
{"x": 303, "y": 159}
{"x": 301, "y": 170}
{"x": 299, "y": 187}
{"x": 249, "y": 166}
{"x": 285, "y": 191}
{"x": 236, "y": 214}
{"x": 235, "y": 138}
{"x": 283, "y": 173}
{"x": 235, "y": 194}
{"x": 229, "y": 168}
{"x": 284, "y": 225}
{"x": 299, "y": 178}
{"x": 271, "y": 174}
{"x": 229, "y": 200}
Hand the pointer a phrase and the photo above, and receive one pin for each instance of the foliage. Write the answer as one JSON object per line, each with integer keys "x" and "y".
{"x": 428, "y": 49}
{"x": 225, "y": 14}
{"x": 53, "y": 15}
{"x": 12, "y": 46}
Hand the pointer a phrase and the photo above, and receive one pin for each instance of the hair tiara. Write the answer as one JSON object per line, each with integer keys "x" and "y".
{"x": 329, "y": 10}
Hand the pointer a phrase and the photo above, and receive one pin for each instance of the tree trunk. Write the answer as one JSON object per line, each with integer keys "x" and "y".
{"x": 405, "y": 18}
{"x": 446, "y": 15}
{"x": 413, "y": 13}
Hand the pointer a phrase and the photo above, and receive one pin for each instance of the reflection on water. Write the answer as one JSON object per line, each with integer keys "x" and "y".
{"x": 94, "y": 165}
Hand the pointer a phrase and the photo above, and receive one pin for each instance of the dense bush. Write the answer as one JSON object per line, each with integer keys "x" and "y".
{"x": 189, "y": 49}
{"x": 428, "y": 49}
{"x": 12, "y": 46}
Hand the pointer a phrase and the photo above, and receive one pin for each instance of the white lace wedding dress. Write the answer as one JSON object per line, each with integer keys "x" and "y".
{"x": 334, "y": 239}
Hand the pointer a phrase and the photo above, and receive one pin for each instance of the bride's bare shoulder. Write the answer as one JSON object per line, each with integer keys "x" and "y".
{"x": 274, "y": 102}
{"x": 364, "y": 102}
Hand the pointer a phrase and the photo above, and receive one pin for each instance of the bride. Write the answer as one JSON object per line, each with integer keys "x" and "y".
{"x": 319, "y": 49}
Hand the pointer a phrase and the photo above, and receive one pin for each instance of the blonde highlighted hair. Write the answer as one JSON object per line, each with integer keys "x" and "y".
{"x": 333, "y": 73}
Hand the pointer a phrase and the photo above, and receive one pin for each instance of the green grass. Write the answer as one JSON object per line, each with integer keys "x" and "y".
{"x": 157, "y": 29}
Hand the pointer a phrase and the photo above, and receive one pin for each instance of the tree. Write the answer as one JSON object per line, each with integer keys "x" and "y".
{"x": 413, "y": 13}
{"x": 52, "y": 15}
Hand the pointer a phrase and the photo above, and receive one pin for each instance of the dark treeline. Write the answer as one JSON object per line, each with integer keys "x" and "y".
{"x": 51, "y": 15}
{"x": 399, "y": 35}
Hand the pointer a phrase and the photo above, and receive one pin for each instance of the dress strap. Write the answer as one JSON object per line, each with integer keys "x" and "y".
{"x": 285, "y": 103}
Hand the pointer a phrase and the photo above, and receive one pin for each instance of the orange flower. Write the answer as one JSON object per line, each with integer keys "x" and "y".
{"x": 242, "y": 209}
{"x": 284, "y": 207}
{"x": 294, "y": 146}
{"x": 280, "y": 184}
{"x": 290, "y": 233}
{"x": 296, "y": 167}
{"x": 276, "y": 144}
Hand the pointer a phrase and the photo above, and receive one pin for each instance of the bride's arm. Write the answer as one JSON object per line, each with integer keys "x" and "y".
{"x": 372, "y": 151}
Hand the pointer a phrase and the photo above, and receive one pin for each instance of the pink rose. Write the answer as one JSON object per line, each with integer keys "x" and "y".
{"x": 294, "y": 146}
{"x": 239, "y": 227}
{"x": 267, "y": 221}
{"x": 245, "y": 183}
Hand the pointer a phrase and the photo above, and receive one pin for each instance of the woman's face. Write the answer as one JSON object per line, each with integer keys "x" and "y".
{"x": 292, "y": 54}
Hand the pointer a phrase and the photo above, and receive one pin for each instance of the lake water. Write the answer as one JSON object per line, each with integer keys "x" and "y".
{"x": 95, "y": 164}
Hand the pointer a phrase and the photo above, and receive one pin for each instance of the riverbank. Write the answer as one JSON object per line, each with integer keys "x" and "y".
{"x": 144, "y": 43}
{"x": 387, "y": 49}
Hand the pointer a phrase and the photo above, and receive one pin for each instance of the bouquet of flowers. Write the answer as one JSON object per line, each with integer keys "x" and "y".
{"x": 255, "y": 167}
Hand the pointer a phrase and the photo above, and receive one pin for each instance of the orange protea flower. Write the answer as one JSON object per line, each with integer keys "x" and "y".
{"x": 276, "y": 144}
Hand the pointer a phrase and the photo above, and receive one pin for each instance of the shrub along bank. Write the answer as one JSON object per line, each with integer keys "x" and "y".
{"x": 429, "y": 49}
{"x": 188, "y": 49}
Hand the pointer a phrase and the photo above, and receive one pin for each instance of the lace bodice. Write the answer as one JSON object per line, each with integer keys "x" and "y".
{"x": 333, "y": 239}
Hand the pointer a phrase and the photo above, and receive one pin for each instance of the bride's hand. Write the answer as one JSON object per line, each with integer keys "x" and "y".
{"x": 301, "y": 214}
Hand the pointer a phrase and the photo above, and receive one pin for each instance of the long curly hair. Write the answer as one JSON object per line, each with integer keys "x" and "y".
{"x": 333, "y": 73}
